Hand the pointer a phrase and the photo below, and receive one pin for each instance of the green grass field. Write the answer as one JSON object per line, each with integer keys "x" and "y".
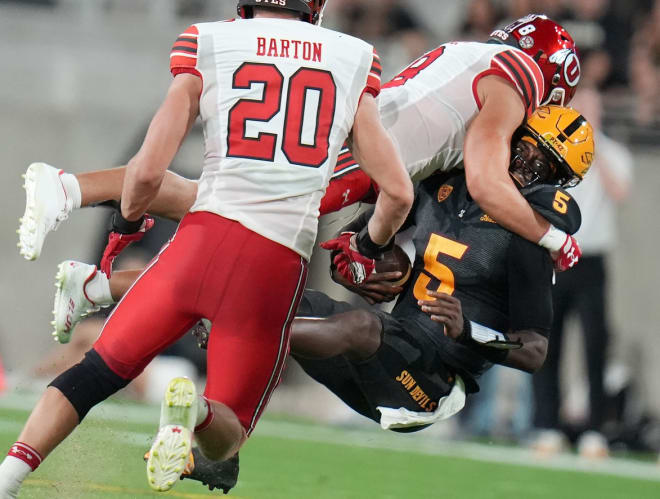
{"x": 294, "y": 459}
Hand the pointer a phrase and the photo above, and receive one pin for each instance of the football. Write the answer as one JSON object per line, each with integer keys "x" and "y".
{"x": 393, "y": 261}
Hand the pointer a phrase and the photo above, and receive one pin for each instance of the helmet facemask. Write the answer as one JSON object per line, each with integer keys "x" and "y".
{"x": 530, "y": 164}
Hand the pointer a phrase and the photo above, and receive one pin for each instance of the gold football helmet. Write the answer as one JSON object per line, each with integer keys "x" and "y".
{"x": 566, "y": 137}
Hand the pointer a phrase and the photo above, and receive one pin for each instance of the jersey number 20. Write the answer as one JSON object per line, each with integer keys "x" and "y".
{"x": 302, "y": 84}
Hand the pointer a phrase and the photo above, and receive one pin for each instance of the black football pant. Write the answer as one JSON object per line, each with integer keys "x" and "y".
{"x": 580, "y": 290}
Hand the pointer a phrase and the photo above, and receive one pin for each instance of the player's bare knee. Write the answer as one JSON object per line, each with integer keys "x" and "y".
{"x": 363, "y": 334}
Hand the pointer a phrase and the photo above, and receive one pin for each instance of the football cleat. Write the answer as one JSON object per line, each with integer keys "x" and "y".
{"x": 214, "y": 474}
{"x": 46, "y": 205}
{"x": 201, "y": 334}
{"x": 71, "y": 301}
{"x": 170, "y": 451}
{"x": 221, "y": 475}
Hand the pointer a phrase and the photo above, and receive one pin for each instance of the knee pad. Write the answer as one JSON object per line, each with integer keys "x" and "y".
{"x": 88, "y": 383}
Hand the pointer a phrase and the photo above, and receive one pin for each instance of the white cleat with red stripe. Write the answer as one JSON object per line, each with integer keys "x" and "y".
{"x": 71, "y": 301}
{"x": 46, "y": 205}
{"x": 170, "y": 451}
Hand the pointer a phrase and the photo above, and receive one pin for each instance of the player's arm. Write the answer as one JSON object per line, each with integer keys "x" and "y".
{"x": 145, "y": 171}
{"x": 523, "y": 349}
{"x": 375, "y": 152}
{"x": 487, "y": 153}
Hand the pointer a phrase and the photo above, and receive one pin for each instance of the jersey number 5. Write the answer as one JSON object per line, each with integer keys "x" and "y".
{"x": 310, "y": 112}
{"x": 437, "y": 245}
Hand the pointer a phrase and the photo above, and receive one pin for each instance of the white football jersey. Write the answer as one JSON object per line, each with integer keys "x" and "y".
{"x": 428, "y": 107}
{"x": 278, "y": 101}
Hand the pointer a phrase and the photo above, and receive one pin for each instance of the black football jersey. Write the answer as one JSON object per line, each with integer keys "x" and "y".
{"x": 503, "y": 281}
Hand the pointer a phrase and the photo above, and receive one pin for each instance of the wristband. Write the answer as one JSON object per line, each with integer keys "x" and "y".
{"x": 475, "y": 333}
{"x": 123, "y": 226}
{"x": 553, "y": 239}
{"x": 368, "y": 248}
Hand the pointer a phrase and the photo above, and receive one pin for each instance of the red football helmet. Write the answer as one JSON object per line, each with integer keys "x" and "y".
{"x": 310, "y": 10}
{"x": 552, "y": 48}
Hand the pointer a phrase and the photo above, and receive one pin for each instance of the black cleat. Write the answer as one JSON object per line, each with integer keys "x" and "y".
{"x": 201, "y": 334}
{"x": 214, "y": 474}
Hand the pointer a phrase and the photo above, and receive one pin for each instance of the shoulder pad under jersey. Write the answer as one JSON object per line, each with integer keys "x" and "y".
{"x": 555, "y": 205}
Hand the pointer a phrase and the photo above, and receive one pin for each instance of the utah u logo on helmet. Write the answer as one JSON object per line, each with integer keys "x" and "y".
{"x": 310, "y": 11}
{"x": 553, "y": 49}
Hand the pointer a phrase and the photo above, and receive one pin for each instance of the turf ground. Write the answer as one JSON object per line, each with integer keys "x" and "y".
{"x": 296, "y": 459}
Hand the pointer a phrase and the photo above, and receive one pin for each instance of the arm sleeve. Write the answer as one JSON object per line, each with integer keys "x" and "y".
{"x": 530, "y": 286}
{"x": 348, "y": 185}
{"x": 183, "y": 56}
{"x": 373, "y": 79}
{"x": 523, "y": 73}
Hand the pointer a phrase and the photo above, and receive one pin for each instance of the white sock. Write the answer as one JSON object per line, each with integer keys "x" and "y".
{"x": 12, "y": 473}
{"x": 98, "y": 290}
{"x": 72, "y": 188}
{"x": 203, "y": 409}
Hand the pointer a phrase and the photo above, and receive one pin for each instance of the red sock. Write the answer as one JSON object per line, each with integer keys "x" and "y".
{"x": 26, "y": 454}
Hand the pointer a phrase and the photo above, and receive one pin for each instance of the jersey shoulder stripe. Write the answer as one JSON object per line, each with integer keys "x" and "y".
{"x": 345, "y": 162}
{"x": 373, "y": 80}
{"x": 521, "y": 70}
{"x": 183, "y": 56}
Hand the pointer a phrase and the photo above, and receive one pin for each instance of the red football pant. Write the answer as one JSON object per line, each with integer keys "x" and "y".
{"x": 247, "y": 285}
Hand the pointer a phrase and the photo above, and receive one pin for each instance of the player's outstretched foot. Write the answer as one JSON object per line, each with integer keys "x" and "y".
{"x": 215, "y": 474}
{"x": 71, "y": 302}
{"x": 169, "y": 452}
{"x": 46, "y": 205}
{"x": 221, "y": 475}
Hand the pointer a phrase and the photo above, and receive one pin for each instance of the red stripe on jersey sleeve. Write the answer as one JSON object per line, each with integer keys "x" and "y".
{"x": 521, "y": 70}
{"x": 183, "y": 56}
{"x": 535, "y": 70}
{"x": 373, "y": 80}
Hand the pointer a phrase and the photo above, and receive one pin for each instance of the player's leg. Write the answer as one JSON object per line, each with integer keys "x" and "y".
{"x": 150, "y": 318}
{"x": 175, "y": 196}
{"x": 324, "y": 328}
{"x": 250, "y": 295}
{"x": 51, "y": 195}
{"x": 402, "y": 372}
{"x": 592, "y": 310}
{"x": 546, "y": 382}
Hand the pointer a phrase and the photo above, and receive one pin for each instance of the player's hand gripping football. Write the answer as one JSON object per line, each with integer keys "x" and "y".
{"x": 123, "y": 233}
{"x": 568, "y": 255}
{"x": 377, "y": 288}
{"x": 350, "y": 263}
